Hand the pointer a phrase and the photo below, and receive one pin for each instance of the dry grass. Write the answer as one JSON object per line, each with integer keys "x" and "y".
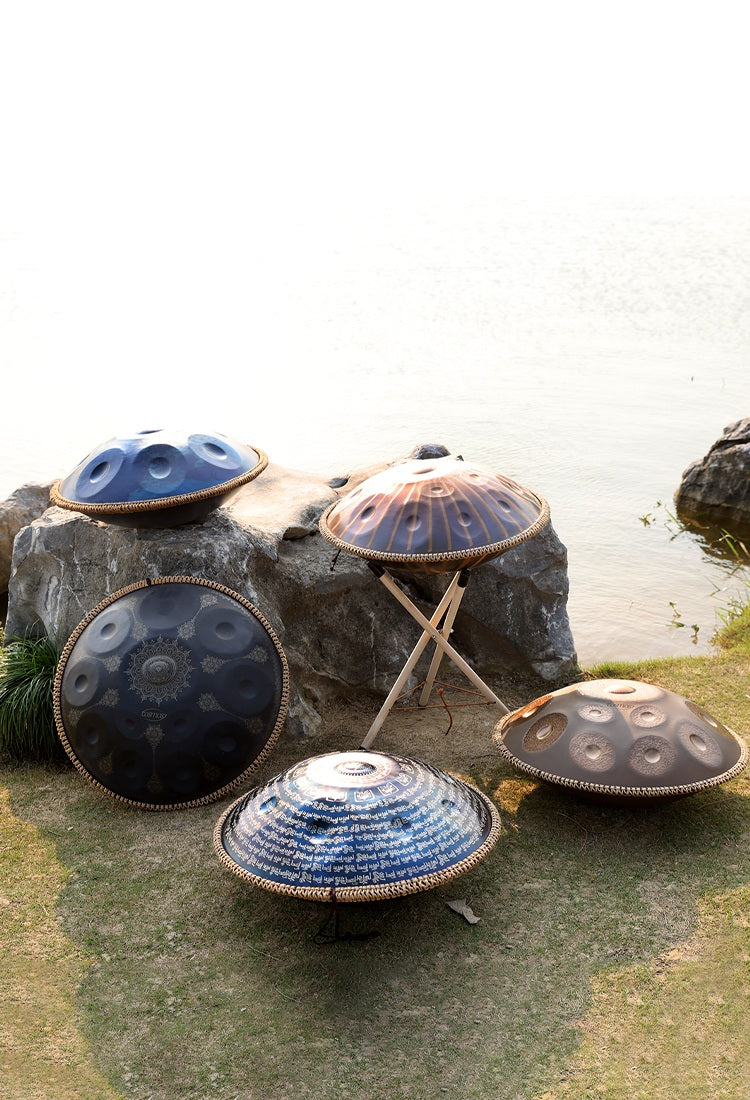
{"x": 42, "y": 1052}
{"x": 676, "y": 1026}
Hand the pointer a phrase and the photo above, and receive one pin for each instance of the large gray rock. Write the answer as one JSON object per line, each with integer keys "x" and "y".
{"x": 341, "y": 630}
{"x": 717, "y": 488}
{"x": 21, "y": 507}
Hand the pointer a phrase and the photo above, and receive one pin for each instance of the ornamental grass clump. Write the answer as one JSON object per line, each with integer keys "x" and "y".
{"x": 27, "y": 723}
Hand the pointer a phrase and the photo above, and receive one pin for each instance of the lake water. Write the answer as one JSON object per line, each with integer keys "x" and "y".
{"x": 590, "y": 349}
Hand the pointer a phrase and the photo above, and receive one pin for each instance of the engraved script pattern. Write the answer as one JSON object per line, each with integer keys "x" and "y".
{"x": 415, "y": 822}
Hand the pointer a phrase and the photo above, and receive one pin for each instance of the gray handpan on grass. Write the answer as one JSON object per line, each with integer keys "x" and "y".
{"x": 622, "y": 740}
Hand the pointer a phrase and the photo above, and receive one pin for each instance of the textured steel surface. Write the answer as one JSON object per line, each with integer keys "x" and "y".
{"x": 158, "y": 471}
{"x": 622, "y": 738}
{"x": 435, "y": 515}
{"x": 171, "y": 692}
{"x": 361, "y": 825}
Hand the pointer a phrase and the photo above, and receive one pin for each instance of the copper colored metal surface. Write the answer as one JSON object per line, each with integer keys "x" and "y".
{"x": 170, "y": 693}
{"x": 158, "y": 478}
{"x": 434, "y": 515}
{"x": 356, "y": 826}
{"x": 622, "y": 740}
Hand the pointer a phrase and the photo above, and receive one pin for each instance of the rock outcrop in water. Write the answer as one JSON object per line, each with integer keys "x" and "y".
{"x": 341, "y": 631}
{"x": 717, "y": 488}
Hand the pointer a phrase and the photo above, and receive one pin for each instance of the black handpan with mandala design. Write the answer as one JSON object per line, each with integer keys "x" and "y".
{"x": 171, "y": 692}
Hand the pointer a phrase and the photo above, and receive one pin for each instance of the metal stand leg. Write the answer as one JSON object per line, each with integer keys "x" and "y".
{"x": 430, "y": 632}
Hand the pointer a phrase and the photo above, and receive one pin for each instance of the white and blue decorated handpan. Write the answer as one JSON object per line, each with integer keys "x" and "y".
{"x": 434, "y": 515}
{"x": 171, "y": 692}
{"x": 621, "y": 741}
{"x": 356, "y": 826}
{"x": 158, "y": 478}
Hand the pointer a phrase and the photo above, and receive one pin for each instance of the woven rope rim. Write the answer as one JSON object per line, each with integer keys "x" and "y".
{"x": 256, "y": 763}
{"x": 475, "y": 555}
{"x": 125, "y": 507}
{"x": 629, "y": 792}
{"x": 375, "y": 892}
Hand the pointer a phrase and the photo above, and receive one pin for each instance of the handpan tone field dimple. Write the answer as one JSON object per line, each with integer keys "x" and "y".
{"x": 171, "y": 692}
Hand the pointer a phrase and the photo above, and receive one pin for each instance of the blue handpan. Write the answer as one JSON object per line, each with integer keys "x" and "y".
{"x": 158, "y": 478}
{"x": 356, "y": 826}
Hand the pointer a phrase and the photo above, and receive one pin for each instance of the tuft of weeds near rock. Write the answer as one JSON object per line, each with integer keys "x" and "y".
{"x": 27, "y": 675}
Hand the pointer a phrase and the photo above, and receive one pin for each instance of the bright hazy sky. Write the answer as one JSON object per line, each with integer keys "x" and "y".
{"x": 157, "y": 110}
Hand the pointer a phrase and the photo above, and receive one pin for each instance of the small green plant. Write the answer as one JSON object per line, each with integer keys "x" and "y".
{"x": 676, "y": 615}
{"x": 27, "y": 724}
{"x": 735, "y": 546}
{"x": 734, "y": 609}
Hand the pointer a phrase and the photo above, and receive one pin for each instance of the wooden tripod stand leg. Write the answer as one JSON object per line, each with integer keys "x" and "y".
{"x": 438, "y": 638}
{"x": 406, "y": 671}
{"x": 445, "y": 630}
{"x": 430, "y": 630}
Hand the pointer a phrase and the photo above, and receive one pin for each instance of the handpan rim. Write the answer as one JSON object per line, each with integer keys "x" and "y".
{"x": 616, "y": 791}
{"x": 128, "y": 507}
{"x": 238, "y": 780}
{"x": 374, "y": 891}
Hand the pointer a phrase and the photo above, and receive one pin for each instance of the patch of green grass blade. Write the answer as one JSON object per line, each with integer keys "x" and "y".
{"x": 27, "y": 725}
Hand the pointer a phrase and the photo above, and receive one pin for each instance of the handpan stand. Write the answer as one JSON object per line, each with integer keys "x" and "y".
{"x": 446, "y": 612}
{"x": 433, "y": 515}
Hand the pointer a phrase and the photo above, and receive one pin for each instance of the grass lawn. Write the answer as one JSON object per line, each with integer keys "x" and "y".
{"x": 612, "y": 959}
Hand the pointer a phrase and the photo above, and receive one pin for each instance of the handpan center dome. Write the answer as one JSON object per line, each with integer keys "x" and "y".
{"x": 621, "y": 739}
{"x": 356, "y": 826}
{"x": 435, "y": 515}
{"x": 158, "y": 477}
{"x": 159, "y": 670}
{"x": 170, "y": 692}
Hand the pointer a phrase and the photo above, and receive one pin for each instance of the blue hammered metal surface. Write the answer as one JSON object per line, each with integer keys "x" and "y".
{"x": 358, "y": 819}
{"x": 162, "y": 465}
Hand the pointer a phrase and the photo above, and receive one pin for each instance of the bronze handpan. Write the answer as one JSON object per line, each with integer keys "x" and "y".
{"x": 622, "y": 740}
{"x": 356, "y": 826}
{"x": 171, "y": 692}
{"x": 434, "y": 515}
{"x": 158, "y": 478}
